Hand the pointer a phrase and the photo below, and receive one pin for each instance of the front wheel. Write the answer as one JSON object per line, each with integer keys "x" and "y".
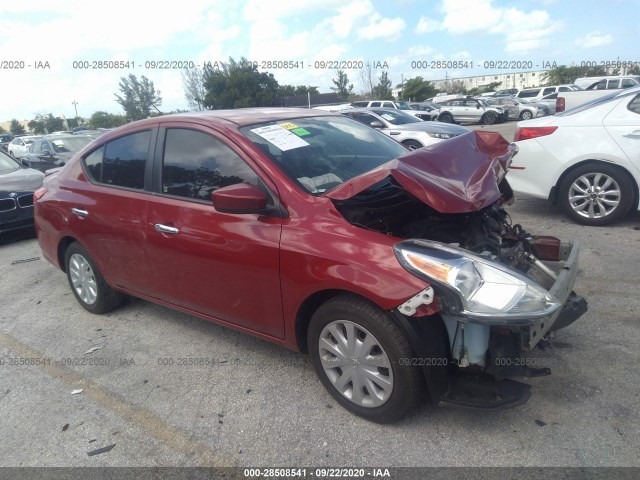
{"x": 526, "y": 115}
{"x": 87, "y": 283}
{"x": 596, "y": 194}
{"x": 363, "y": 359}
{"x": 412, "y": 144}
{"x": 445, "y": 118}
{"x": 489, "y": 118}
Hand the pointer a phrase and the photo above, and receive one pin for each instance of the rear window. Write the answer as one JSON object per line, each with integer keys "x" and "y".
{"x": 528, "y": 93}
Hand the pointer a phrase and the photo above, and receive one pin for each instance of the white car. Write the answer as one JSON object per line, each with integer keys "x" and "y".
{"x": 586, "y": 159}
{"x": 19, "y": 145}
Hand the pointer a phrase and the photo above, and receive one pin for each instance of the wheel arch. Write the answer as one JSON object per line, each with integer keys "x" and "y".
{"x": 553, "y": 195}
{"x": 63, "y": 244}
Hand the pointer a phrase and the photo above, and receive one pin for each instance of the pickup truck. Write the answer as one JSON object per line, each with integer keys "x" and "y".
{"x": 421, "y": 114}
{"x": 568, "y": 100}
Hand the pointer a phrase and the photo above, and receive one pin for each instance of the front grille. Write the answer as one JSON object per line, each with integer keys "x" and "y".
{"x": 25, "y": 200}
{"x": 7, "y": 204}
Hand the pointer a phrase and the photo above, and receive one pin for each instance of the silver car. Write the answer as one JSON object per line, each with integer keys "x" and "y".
{"x": 471, "y": 110}
{"x": 405, "y": 128}
{"x": 517, "y": 109}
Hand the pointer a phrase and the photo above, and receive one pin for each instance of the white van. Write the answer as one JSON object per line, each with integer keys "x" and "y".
{"x": 538, "y": 92}
{"x": 611, "y": 82}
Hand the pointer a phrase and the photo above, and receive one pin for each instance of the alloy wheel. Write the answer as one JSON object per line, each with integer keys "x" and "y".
{"x": 594, "y": 195}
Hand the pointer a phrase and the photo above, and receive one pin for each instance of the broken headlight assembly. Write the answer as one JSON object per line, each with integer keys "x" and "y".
{"x": 475, "y": 287}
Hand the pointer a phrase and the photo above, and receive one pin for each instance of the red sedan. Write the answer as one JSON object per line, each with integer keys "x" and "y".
{"x": 398, "y": 272}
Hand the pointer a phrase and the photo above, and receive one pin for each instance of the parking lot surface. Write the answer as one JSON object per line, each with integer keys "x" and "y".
{"x": 168, "y": 389}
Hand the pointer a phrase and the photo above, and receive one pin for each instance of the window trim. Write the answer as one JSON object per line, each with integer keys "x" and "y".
{"x": 147, "y": 167}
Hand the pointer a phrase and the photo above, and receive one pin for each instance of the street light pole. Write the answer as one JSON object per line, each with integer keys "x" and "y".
{"x": 75, "y": 105}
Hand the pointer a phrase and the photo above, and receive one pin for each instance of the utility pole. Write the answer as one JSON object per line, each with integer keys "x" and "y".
{"x": 75, "y": 105}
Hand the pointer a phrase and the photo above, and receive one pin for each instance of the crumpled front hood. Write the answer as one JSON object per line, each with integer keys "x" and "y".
{"x": 458, "y": 175}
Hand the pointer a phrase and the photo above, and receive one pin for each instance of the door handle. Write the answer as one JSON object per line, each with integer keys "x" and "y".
{"x": 79, "y": 213}
{"x": 166, "y": 229}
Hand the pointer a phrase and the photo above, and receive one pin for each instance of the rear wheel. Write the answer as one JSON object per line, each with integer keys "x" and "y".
{"x": 363, "y": 359}
{"x": 445, "y": 117}
{"x": 596, "y": 194}
{"x": 489, "y": 118}
{"x": 412, "y": 144}
{"x": 526, "y": 115}
{"x": 87, "y": 283}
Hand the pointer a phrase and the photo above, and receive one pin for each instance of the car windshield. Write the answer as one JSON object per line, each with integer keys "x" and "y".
{"x": 320, "y": 153}
{"x": 29, "y": 141}
{"x": 403, "y": 106}
{"x": 69, "y": 145}
{"x": 397, "y": 117}
{"x": 8, "y": 164}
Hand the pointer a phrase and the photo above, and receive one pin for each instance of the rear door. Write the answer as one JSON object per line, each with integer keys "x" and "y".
{"x": 219, "y": 264}
{"x": 108, "y": 213}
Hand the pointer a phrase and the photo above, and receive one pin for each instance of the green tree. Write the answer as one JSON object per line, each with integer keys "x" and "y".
{"x": 46, "y": 123}
{"x": 382, "y": 90}
{"x": 2, "y": 130}
{"x": 138, "y": 97}
{"x": 102, "y": 119}
{"x": 286, "y": 90}
{"x": 418, "y": 89}
{"x": 342, "y": 87}
{"x": 194, "y": 91}
{"x": 16, "y": 127}
{"x": 238, "y": 84}
{"x": 564, "y": 74}
{"x": 304, "y": 89}
{"x": 37, "y": 127}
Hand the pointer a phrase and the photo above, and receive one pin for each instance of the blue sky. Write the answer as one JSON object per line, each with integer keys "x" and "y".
{"x": 394, "y": 31}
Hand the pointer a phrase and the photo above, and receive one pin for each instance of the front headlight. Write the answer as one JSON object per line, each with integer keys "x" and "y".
{"x": 440, "y": 135}
{"x": 475, "y": 286}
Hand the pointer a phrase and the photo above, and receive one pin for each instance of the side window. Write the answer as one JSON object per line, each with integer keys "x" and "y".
{"x": 359, "y": 104}
{"x": 195, "y": 164}
{"x": 34, "y": 148}
{"x": 601, "y": 85}
{"x": 563, "y": 89}
{"x": 613, "y": 84}
{"x": 121, "y": 162}
{"x": 388, "y": 105}
{"x": 375, "y": 104}
{"x": 627, "y": 82}
{"x": 46, "y": 146}
{"x": 549, "y": 90}
{"x": 634, "y": 105}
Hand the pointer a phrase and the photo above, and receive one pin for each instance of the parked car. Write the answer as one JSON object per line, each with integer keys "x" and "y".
{"x": 506, "y": 92}
{"x": 516, "y": 108}
{"x": 19, "y": 145}
{"x": 471, "y": 110}
{"x": 323, "y": 235}
{"x": 547, "y": 102}
{"x": 5, "y": 139}
{"x": 17, "y": 185}
{"x": 587, "y": 159}
{"x": 405, "y": 128}
{"x": 53, "y": 151}
{"x": 425, "y": 115}
{"x": 539, "y": 92}
{"x": 610, "y": 82}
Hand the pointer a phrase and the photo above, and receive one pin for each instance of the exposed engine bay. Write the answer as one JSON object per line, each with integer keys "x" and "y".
{"x": 389, "y": 209}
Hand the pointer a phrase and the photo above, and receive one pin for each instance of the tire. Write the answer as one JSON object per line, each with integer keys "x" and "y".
{"x": 87, "y": 283}
{"x": 526, "y": 115}
{"x": 388, "y": 388}
{"x": 445, "y": 117}
{"x": 412, "y": 144}
{"x": 489, "y": 118}
{"x": 596, "y": 194}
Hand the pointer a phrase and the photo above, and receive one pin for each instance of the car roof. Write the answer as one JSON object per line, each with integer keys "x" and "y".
{"x": 239, "y": 116}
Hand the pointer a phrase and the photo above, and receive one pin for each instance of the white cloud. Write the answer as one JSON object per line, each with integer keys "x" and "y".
{"x": 522, "y": 31}
{"x": 379, "y": 27}
{"x": 427, "y": 25}
{"x": 594, "y": 39}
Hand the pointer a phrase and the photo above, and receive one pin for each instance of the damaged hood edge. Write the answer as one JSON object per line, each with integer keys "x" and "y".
{"x": 458, "y": 175}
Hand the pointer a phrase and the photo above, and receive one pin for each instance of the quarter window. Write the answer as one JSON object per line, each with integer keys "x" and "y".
{"x": 195, "y": 164}
{"x": 120, "y": 162}
{"x": 634, "y": 105}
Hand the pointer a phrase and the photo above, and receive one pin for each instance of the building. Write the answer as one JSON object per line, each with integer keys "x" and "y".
{"x": 507, "y": 80}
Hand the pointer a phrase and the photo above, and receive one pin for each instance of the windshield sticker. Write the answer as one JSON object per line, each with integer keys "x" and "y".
{"x": 289, "y": 125}
{"x": 301, "y": 132}
{"x": 58, "y": 143}
{"x": 280, "y": 137}
{"x": 387, "y": 116}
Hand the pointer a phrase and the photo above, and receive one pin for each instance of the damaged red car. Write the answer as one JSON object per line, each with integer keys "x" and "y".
{"x": 399, "y": 273}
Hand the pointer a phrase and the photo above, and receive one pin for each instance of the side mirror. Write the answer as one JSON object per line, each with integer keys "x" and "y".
{"x": 376, "y": 124}
{"x": 25, "y": 163}
{"x": 45, "y": 153}
{"x": 239, "y": 198}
